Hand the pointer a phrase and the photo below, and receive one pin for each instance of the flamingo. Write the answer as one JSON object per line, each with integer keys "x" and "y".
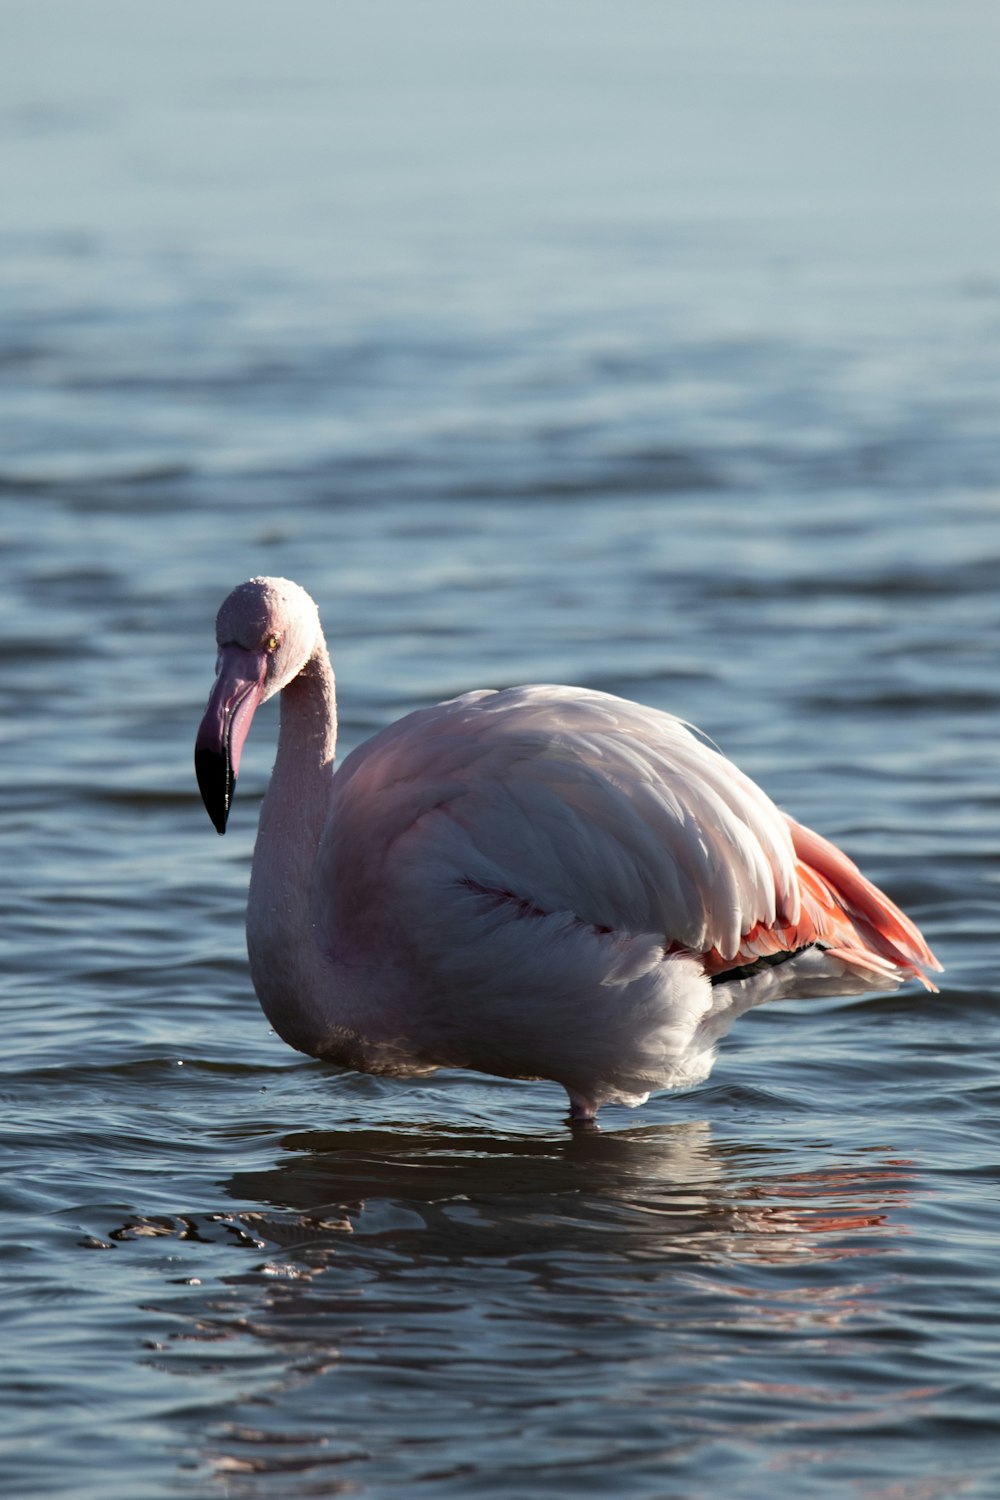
{"x": 539, "y": 882}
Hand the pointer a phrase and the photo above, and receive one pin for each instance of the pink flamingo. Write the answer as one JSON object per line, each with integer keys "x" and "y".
{"x": 543, "y": 882}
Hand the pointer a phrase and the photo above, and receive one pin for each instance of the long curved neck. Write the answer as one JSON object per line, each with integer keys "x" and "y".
{"x": 284, "y": 958}
{"x": 299, "y": 792}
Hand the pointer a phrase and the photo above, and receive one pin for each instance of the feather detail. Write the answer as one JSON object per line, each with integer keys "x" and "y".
{"x": 844, "y": 913}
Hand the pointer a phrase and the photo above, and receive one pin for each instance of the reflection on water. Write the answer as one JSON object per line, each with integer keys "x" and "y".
{"x": 663, "y": 1191}
{"x": 387, "y": 1265}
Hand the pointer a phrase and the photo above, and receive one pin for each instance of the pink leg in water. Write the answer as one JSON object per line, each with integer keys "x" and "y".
{"x": 582, "y": 1111}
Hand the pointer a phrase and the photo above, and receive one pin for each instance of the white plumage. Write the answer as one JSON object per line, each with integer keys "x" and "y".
{"x": 540, "y": 882}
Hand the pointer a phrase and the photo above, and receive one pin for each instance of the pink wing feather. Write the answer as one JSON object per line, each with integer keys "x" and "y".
{"x": 554, "y": 799}
{"x": 842, "y": 910}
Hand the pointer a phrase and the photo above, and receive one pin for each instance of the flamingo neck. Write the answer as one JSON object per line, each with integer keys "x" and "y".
{"x": 307, "y": 740}
{"x": 284, "y": 957}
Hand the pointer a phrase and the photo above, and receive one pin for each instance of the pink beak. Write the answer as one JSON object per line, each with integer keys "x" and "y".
{"x": 238, "y": 689}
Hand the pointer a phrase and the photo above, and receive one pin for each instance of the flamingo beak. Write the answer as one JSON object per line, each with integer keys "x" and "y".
{"x": 238, "y": 689}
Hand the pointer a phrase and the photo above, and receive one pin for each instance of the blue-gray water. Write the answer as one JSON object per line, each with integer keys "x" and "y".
{"x": 654, "y": 347}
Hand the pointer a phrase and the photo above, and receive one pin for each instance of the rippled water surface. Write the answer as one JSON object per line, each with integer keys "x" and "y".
{"x": 645, "y": 347}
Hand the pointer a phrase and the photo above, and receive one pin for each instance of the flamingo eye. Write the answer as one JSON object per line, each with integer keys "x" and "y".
{"x": 272, "y": 643}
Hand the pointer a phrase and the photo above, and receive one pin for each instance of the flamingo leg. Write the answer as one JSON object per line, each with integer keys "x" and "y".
{"x": 582, "y": 1112}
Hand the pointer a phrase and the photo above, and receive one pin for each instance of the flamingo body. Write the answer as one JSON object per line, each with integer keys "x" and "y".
{"x": 543, "y": 882}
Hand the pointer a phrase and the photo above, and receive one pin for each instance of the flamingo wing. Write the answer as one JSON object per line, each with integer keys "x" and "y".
{"x": 561, "y": 800}
{"x": 551, "y": 800}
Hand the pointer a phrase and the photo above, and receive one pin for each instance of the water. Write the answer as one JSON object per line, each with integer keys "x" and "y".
{"x": 648, "y": 348}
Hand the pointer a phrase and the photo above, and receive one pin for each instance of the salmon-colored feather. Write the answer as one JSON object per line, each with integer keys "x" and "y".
{"x": 855, "y": 921}
{"x": 846, "y": 905}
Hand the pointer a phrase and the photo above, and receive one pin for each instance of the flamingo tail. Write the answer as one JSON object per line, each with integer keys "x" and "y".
{"x": 854, "y": 919}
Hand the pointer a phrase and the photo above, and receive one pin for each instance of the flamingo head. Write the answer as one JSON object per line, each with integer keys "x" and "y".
{"x": 267, "y": 630}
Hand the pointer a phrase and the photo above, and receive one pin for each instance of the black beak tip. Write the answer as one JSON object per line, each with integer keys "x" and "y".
{"x": 215, "y": 782}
